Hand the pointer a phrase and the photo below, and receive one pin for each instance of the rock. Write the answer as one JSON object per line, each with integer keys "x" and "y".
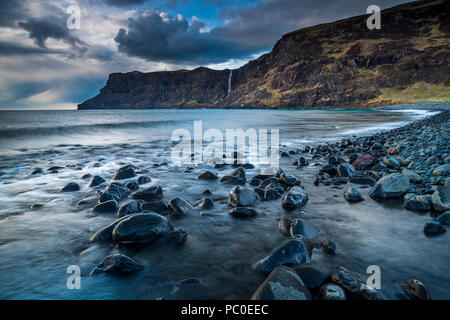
{"x": 37, "y": 171}
{"x": 289, "y": 180}
{"x": 70, "y": 187}
{"x": 393, "y": 186}
{"x": 132, "y": 185}
{"x": 242, "y": 212}
{"x": 363, "y": 161}
{"x": 305, "y": 229}
{"x": 190, "y": 289}
{"x": 292, "y": 251}
{"x": 441, "y": 199}
{"x": 353, "y": 285}
{"x": 329, "y": 247}
{"x": 345, "y": 170}
{"x": 179, "y": 207}
{"x": 364, "y": 180}
{"x": 311, "y": 276}
{"x": 241, "y": 197}
{"x": 393, "y": 151}
{"x": 415, "y": 289}
{"x": 334, "y": 160}
{"x": 125, "y": 173}
{"x": 109, "y": 206}
{"x": 285, "y": 224}
{"x": 207, "y": 175}
{"x": 412, "y": 176}
{"x": 207, "y": 192}
{"x": 391, "y": 162}
{"x": 283, "y": 283}
{"x": 115, "y": 191}
{"x": 149, "y": 194}
{"x": 331, "y": 291}
{"x": 302, "y": 162}
{"x": 442, "y": 170}
{"x": 417, "y": 203}
{"x": 140, "y": 228}
{"x": 143, "y": 180}
{"x": 271, "y": 194}
{"x": 157, "y": 206}
{"x": 238, "y": 176}
{"x": 329, "y": 169}
{"x": 129, "y": 208}
{"x": 96, "y": 181}
{"x": 433, "y": 228}
{"x": 268, "y": 181}
{"x": 254, "y": 182}
{"x": 204, "y": 204}
{"x": 105, "y": 233}
{"x": 295, "y": 198}
{"x": 36, "y": 206}
{"x": 353, "y": 195}
{"x": 444, "y": 218}
{"x": 118, "y": 263}
{"x": 176, "y": 237}
{"x": 86, "y": 176}
{"x": 260, "y": 193}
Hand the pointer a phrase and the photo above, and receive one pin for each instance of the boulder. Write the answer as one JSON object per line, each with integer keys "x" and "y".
{"x": 363, "y": 180}
{"x": 179, "y": 207}
{"x": 331, "y": 291}
{"x": 412, "y": 176}
{"x": 143, "y": 180}
{"x": 242, "y": 212}
{"x": 238, "y": 176}
{"x": 444, "y": 218}
{"x": 37, "y": 171}
{"x": 268, "y": 181}
{"x": 433, "y": 227}
{"x": 149, "y": 194}
{"x": 305, "y": 229}
{"x": 353, "y": 285}
{"x": 207, "y": 175}
{"x": 129, "y": 208}
{"x": 132, "y": 185}
{"x": 157, "y": 206}
{"x": 290, "y": 252}
{"x": 313, "y": 277}
{"x": 345, "y": 170}
{"x": 254, "y": 182}
{"x": 415, "y": 289}
{"x": 118, "y": 263}
{"x": 96, "y": 181}
{"x": 285, "y": 224}
{"x": 109, "y": 206}
{"x": 416, "y": 202}
{"x": 295, "y": 198}
{"x": 363, "y": 161}
{"x": 329, "y": 247}
{"x": 105, "y": 233}
{"x": 204, "y": 204}
{"x": 125, "y": 172}
{"x": 141, "y": 229}
{"x": 329, "y": 169}
{"x": 115, "y": 191}
{"x": 392, "y": 186}
{"x": 289, "y": 180}
{"x": 302, "y": 162}
{"x": 441, "y": 199}
{"x": 271, "y": 194}
{"x": 176, "y": 237}
{"x": 283, "y": 283}
{"x": 442, "y": 170}
{"x": 353, "y": 195}
{"x": 70, "y": 187}
{"x": 241, "y": 197}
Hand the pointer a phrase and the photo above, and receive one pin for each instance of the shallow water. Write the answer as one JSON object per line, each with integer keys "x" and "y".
{"x": 36, "y": 246}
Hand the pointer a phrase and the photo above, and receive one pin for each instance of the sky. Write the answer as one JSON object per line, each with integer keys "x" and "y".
{"x": 47, "y": 62}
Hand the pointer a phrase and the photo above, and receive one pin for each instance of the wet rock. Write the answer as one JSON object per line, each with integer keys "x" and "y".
{"x": 295, "y": 198}
{"x": 242, "y": 212}
{"x": 290, "y": 252}
{"x": 284, "y": 154}
{"x": 334, "y": 160}
{"x": 132, "y": 185}
{"x": 283, "y": 283}
{"x": 179, "y": 207}
{"x": 109, "y": 206}
{"x": 86, "y": 176}
{"x": 364, "y": 180}
{"x": 115, "y": 191}
{"x": 353, "y": 195}
{"x": 125, "y": 172}
{"x": 443, "y": 170}
{"x": 285, "y": 224}
{"x": 271, "y": 194}
{"x": 441, "y": 199}
{"x": 393, "y": 186}
{"x": 417, "y": 203}
{"x": 433, "y": 228}
{"x": 70, "y": 187}
{"x": 329, "y": 169}
{"x": 143, "y": 180}
{"x": 37, "y": 171}
{"x": 207, "y": 175}
{"x": 345, "y": 170}
{"x": 149, "y": 194}
{"x": 241, "y": 197}
{"x": 190, "y": 289}
{"x": 207, "y": 192}
{"x": 176, "y": 237}
{"x": 329, "y": 247}
{"x": 96, "y": 181}
{"x": 391, "y": 162}
{"x": 331, "y": 291}
{"x": 289, "y": 180}
{"x": 141, "y": 229}
{"x": 353, "y": 285}
{"x": 129, "y": 208}
{"x": 36, "y": 206}
{"x": 260, "y": 193}
{"x": 412, "y": 176}
{"x": 254, "y": 182}
{"x": 269, "y": 181}
{"x": 118, "y": 263}
{"x": 157, "y": 206}
{"x": 204, "y": 204}
{"x": 301, "y": 162}
{"x": 415, "y": 289}
{"x": 313, "y": 277}
{"x": 305, "y": 229}
{"x": 363, "y": 161}
{"x": 238, "y": 176}
{"x": 444, "y": 218}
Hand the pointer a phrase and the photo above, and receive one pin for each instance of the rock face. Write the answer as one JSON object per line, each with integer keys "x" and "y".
{"x": 336, "y": 64}
{"x": 140, "y": 228}
{"x": 393, "y": 186}
{"x": 118, "y": 263}
{"x": 295, "y": 198}
{"x": 291, "y": 252}
{"x": 283, "y": 283}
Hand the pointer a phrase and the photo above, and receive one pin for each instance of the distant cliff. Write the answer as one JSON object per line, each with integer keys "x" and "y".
{"x": 340, "y": 64}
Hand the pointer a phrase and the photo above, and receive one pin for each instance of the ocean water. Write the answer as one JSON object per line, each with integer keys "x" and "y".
{"x": 37, "y": 246}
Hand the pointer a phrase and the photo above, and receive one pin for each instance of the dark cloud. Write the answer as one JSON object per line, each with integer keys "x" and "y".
{"x": 11, "y": 11}
{"x": 9, "y": 48}
{"x": 123, "y": 3}
{"x": 158, "y": 36}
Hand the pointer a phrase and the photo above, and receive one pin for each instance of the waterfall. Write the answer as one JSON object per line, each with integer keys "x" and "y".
{"x": 229, "y": 82}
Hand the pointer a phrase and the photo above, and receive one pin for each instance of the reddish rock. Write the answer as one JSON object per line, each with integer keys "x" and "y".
{"x": 393, "y": 151}
{"x": 363, "y": 161}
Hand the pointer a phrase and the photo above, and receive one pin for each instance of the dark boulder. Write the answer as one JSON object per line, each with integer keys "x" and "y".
{"x": 179, "y": 207}
{"x": 305, "y": 229}
{"x": 109, "y": 206}
{"x": 143, "y": 180}
{"x": 157, "y": 206}
{"x": 441, "y": 199}
{"x": 96, "y": 181}
{"x": 141, "y": 229}
{"x": 125, "y": 172}
{"x": 353, "y": 195}
{"x": 295, "y": 198}
{"x": 207, "y": 175}
{"x": 204, "y": 204}
{"x": 115, "y": 191}
{"x": 433, "y": 228}
{"x": 176, "y": 237}
{"x": 415, "y": 289}
{"x": 118, "y": 263}
{"x": 238, "y": 176}
{"x": 285, "y": 224}
{"x": 132, "y": 185}
{"x": 392, "y": 186}
{"x": 289, "y": 180}
{"x": 241, "y": 197}
{"x": 416, "y": 202}
{"x": 70, "y": 187}
{"x": 149, "y": 194}
{"x": 129, "y": 208}
{"x": 353, "y": 285}
{"x": 242, "y": 212}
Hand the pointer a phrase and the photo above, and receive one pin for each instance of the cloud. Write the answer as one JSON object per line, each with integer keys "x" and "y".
{"x": 10, "y": 48}
{"x": 123, "y": 3}
{"x": 11, "y": 11}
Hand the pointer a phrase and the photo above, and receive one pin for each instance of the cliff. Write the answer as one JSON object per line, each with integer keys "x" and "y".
{"x": 339, "y": 64}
